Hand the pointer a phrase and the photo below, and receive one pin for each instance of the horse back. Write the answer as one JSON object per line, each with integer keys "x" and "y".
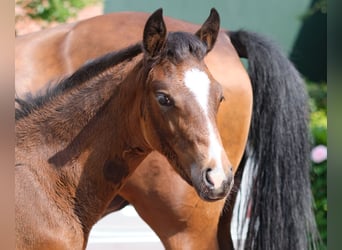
{"x": 36, "y": 53}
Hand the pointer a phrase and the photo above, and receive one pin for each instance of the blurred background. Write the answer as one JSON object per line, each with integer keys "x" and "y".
{"x": 298, "y": 26}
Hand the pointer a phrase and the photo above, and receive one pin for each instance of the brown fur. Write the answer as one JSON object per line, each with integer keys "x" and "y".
{"x": 189, "y": 219}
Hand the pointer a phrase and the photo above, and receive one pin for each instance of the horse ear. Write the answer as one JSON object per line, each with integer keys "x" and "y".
{"x": 209, "y": 30}
{"x": 154, "y": 34}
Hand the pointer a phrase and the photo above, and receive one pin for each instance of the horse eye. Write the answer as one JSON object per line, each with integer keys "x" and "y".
{"x": 164, "y": 100}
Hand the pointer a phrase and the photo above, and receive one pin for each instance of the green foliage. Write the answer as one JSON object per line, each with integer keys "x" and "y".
{"x": 318, "y": 95}
{"x": 318, "y": 6}
{"x": 55, "y": 10}
{"x": 319, "y": 189}
{"x": 318, "y": 126}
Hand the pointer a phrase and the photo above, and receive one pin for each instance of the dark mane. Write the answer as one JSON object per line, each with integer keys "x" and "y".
{"x": 180, "y": 44}
{"x": 84, "y": 73}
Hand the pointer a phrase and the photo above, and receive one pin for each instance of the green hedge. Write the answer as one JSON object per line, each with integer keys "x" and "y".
{"x": 55, "y": 10}
{"x": 318, "y": 125}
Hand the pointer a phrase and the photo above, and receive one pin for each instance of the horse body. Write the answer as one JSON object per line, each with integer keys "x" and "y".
{"x": 79, "y": 143}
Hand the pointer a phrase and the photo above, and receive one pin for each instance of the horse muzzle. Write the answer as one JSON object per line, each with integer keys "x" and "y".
{"x": 212, "y": 184}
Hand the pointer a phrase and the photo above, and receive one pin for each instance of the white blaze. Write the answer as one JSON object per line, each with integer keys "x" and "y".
{"x": 199, "y": 84}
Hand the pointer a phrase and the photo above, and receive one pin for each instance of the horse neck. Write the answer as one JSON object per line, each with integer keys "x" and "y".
{"x": 76, "y": 106}
{"x": 92, "y": 157}
{"x": 121, "y": 116}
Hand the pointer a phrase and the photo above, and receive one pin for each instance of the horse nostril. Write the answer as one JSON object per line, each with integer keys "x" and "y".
{"x": 207, "y": 179}
{"x": 215, "y": 183}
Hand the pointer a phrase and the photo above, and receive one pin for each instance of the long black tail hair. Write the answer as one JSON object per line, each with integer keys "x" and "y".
{"x": 278, "y": 145}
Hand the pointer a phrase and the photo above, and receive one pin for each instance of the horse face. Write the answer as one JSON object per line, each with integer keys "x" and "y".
{"x": 182, "y": 103}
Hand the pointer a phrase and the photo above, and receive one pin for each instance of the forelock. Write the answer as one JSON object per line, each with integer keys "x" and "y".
{"x": 180, "y": 45}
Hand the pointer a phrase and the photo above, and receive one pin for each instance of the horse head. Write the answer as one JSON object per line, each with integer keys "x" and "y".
{"x": 181, "y": 103}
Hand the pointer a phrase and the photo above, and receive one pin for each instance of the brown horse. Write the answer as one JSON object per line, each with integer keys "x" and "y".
{"x": 78, "y": 143}
{"x": 187, "y": 221}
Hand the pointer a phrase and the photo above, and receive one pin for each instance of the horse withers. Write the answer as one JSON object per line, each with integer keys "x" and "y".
{"x": 78, "y": 143}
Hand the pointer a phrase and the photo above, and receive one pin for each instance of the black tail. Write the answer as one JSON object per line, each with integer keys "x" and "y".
{"x": 278, "y": 144}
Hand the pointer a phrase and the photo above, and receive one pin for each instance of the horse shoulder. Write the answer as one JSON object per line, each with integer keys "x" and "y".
{"x": 40, "y": 222}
